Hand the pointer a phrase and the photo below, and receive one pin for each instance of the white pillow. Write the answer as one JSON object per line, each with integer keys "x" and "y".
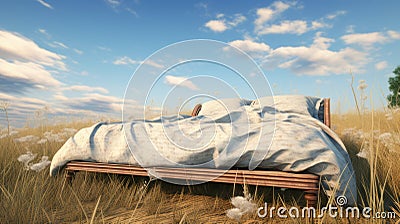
{"x": 222, "y": 109}
{"x": 306, "y": 105}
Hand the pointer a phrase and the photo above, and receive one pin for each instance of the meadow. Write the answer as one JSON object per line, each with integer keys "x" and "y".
{"x": 372, "y": 139}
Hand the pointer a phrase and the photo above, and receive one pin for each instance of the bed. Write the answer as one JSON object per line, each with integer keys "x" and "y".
{"x": 310, "y": 162}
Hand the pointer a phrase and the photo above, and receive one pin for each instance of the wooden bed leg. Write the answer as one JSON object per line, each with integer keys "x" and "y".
{"x": 69, "y": 175}
{"x": 311, "y": 198}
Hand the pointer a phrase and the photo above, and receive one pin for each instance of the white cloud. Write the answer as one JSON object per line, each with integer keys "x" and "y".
{"x": 125, "y": 60}
{"x": 238, "y": 19}
{"x": 45, "y": 4}
{"x": 317, "y": 59}
{"x": 18, "y": 76}
{"x": 133, "y": 12}
{"x": 180, "y": 81}
{"x": 250, "y": 46}
{"x": 113, "y": 3}
{"x": 14, "y": 46}
{"x": 78, "y": 51}
{"x": 24, "y": 65}
{"x": 103, "y": 48}
{"x": 21, "y": 107}
{"x": 267, "y": 14}
{"x": 84, "y": 88}
{"x": 317, "y": 25}
{"x": 60, "y": 97}
{"x": 44, "y": 32}
{"x": 153, "y": 63}
{"x": 94, "y": 102}
{"x": 393, "y": 34}
{"x": 90, "y": 105}
{"x": 364, "y": 39}
{"x": 350, "y": 29}
{"x": 292, "y": 27}
{"x": 381, "y": 65}
{"x": 222, "y": 24}
{"x": 367, "y": 40}
{"x": 56, "y": 44}
{"x": 216, "y": 25}
{"x": 14, "y": 100}
{"x": 336, "y": 14}
{"x": 321, "y": 42}
{"x": 254, "y": 49}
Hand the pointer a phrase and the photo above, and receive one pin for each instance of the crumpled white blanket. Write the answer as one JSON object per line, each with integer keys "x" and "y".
{"x": 217, "y": 138}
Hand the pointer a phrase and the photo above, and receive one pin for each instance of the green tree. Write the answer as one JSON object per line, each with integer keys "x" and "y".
{"x": 394, "y": 87}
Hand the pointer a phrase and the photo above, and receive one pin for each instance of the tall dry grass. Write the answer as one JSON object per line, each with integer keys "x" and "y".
{"x": 34, "y": 197}
{"x": 27, "y": 196}
{"x": 374, "y": 135}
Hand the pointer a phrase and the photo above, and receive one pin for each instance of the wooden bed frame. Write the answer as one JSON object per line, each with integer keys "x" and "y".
{"x": 309, "y": 183}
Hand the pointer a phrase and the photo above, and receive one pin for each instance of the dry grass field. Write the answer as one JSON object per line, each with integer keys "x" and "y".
{"x": 27, "y": 196}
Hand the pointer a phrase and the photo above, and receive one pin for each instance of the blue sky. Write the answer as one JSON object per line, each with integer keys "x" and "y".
{"x": 75, "y": 58}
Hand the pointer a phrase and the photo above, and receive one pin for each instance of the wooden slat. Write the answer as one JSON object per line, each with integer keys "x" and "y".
{"x": 242, "y": 180}
{"x": 254, "y": 177}
{"x": 222, "y": 179}
{"x": 304, "y": 183}
{"x": 235, "y": 171}
{"x": 236, "y": 175}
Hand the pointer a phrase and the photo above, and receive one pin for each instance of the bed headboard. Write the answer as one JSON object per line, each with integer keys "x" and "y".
{"x": 325, "y": 109}
{"x": 196, "y": 110}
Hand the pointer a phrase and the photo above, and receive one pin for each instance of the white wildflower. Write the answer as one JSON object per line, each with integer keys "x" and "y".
{"x": 389, "y": 116}
{"x": 360, "y": 134}
{"x": 375, "y": 133}
{"x": 385, "y": 136}
{"x": 53, "y": 137}
{"x": 242, "y": 205}
{"x": 11, "y": 133}
{"x": 26, "y": 159}
{"x": 348, "y": 131}
{"x": 28, "y": 138}
{"x": 144, "y": 186}
{"x": 234, "y": 213}
{"x": 41, "y": 141}
{"x": 387, "y": 140}
{"x": 69, "y": 131}
{"x": 396, "y": 139}
{"x": 364, "y": 153}
{"x": 40, "y": 165}
{"x": 362, "y": 84}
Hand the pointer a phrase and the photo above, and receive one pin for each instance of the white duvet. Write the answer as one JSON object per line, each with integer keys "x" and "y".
{"x": 283, "y": 134}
